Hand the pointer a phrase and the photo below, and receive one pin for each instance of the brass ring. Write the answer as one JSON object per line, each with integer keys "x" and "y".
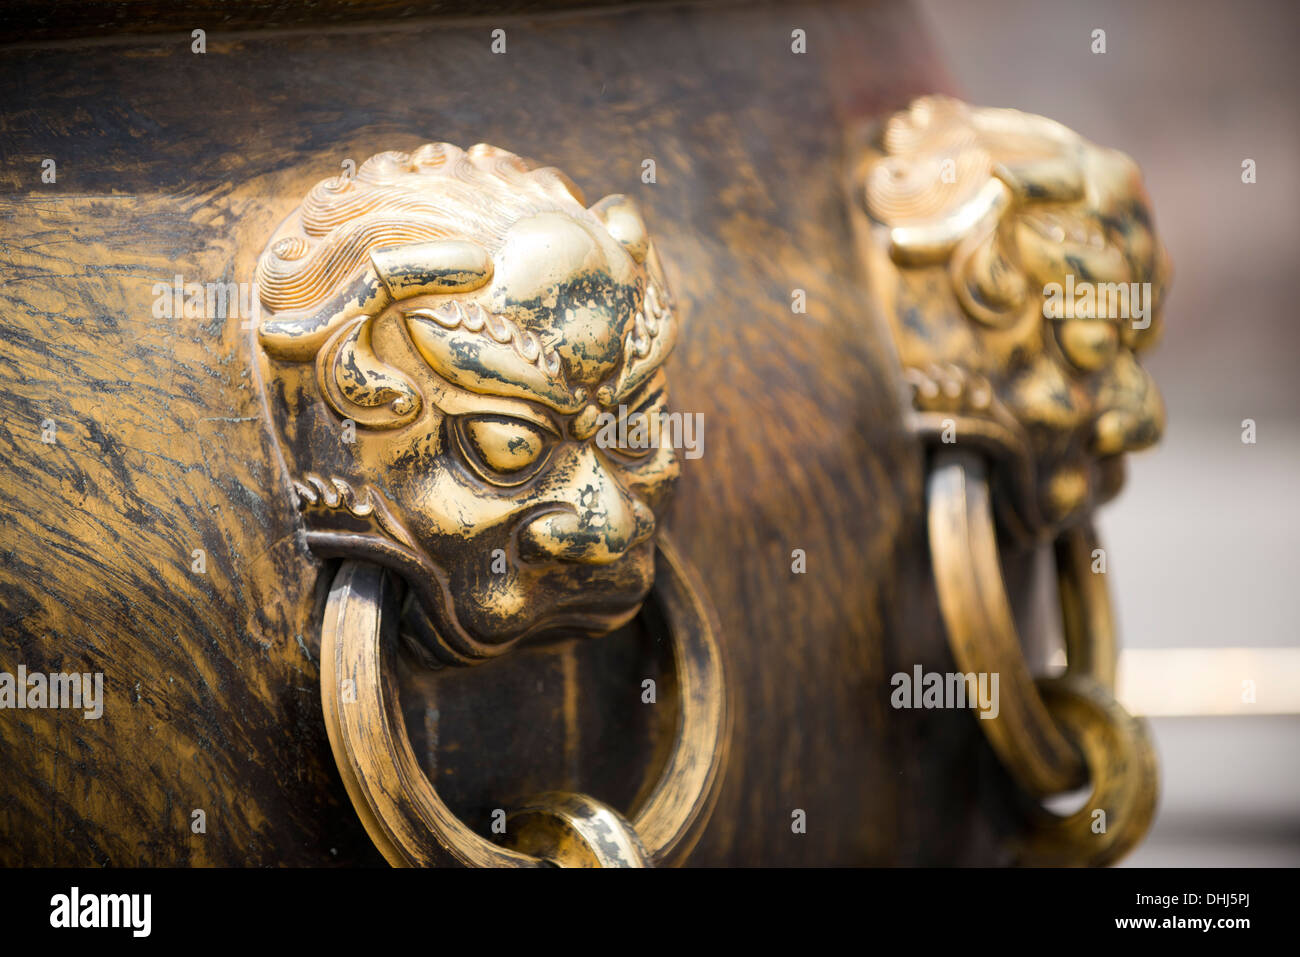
{"x": 1087, "y": 620}
{"x": 1121, "y": 768}
{"x": 574, "y": 830}
{"x": 982, "y": 629}
{"x": 401, "y": 809}
{"x": 1052, "y": 734}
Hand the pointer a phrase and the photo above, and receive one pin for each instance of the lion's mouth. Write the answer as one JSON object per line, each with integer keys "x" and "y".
{"x": 584, "y": 622}
{"x": 581, "y": 613}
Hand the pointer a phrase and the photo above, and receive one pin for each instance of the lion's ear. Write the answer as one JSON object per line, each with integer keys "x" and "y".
{"x": 359, "y": 385}
{"x": 623, "y": 221}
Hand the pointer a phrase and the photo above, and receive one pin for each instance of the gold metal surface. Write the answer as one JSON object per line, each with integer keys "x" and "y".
{"x": 574, "y": 830}
{"x": 445, "y": 337}
{"x": 1016, "y": 266}
{"x": 974, "y": 225}
{"x": 1053, "y": 734}
{"x": 982, "y": 630}
{"x": 1122, "y": 771}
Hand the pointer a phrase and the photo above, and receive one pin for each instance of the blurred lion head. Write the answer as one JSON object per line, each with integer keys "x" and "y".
{"x": 1023, "y": 279}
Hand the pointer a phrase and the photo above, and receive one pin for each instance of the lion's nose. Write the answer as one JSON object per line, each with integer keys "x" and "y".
{"x": 597, "y": 520}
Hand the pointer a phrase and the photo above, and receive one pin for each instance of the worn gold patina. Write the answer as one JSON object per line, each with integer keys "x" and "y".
{"x": 1017, "y": 268}
{"x": 446, "y": 332}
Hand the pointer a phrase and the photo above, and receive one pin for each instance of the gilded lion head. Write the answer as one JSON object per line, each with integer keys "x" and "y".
{"x": 441, "y": 334}
{"x": 1019, "y": 269}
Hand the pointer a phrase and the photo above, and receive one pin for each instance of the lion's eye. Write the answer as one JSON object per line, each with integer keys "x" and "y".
{"x": 638, "y": 434}
{"x": 501, "y": 447}
{"x": 641, "y": 438}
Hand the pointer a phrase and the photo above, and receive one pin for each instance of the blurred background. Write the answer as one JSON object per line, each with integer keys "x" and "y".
{"x": 1202, "y": 545}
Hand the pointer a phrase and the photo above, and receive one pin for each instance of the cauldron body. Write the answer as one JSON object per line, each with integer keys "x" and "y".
{"x": 154, "y": 539}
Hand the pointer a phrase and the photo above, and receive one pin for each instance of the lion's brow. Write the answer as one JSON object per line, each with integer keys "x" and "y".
{"x": 486, "y": 352}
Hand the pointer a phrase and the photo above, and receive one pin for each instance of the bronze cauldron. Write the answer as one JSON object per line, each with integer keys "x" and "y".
{"x": 612, "y": 437}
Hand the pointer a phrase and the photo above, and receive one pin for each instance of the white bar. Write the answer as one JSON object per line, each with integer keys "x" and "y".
{"x": 1184, "y": 682}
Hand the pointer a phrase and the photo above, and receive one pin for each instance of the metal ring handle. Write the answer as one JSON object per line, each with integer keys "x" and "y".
{"x": 401, "y": 809}
{"x": 982, "y": 630}
{"x": 1122, "y": 771}
{"x": 574, "y": 830}
{"x": 1087, "y": 619}
{"x": 1052, "y": 734}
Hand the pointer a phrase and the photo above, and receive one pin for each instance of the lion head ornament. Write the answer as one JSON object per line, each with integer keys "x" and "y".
{"x": 442, "y": 335}
{"x": 1018, "y": 268}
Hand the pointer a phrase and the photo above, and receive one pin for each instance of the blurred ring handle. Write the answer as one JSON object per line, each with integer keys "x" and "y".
{"x": 1053, "y": 735}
